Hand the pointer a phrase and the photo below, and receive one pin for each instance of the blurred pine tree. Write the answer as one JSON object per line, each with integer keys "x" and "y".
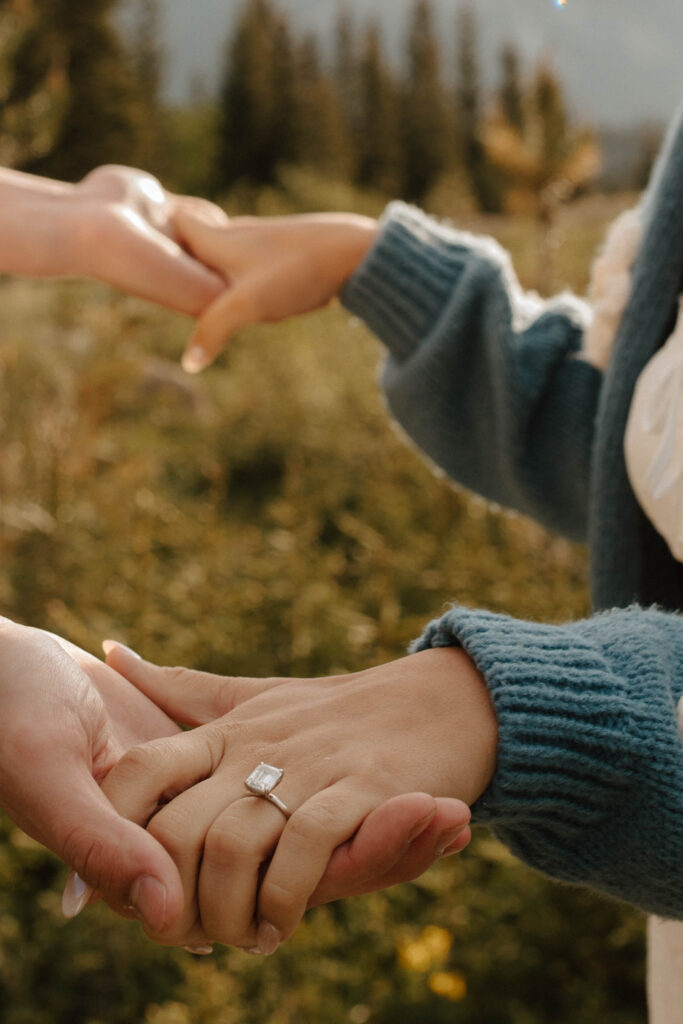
{"x": 483, "y": 180}
{"x": 99, "y": 118}
{"x": 425, "y": 131}
{"x": 147, "y": 58}
{"x": 511, "y": 92}
{"x": 377, "y": 142}
{"x": 324, "y": 141}
{"x": 246, "y": 101}
{"x": 32, "y": 85}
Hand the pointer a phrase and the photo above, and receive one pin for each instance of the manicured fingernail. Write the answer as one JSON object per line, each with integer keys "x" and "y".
{"x": 268, "y": 938}
{"x": 111, "y": 645}
{"x": 447, "y": 839}
{"x": 148, "y": 897}
{"x": 421, "y": 825}
{"x": 195, "y": 359}
{"x": 75, "y": 896}
{"x": 199, "y": 950}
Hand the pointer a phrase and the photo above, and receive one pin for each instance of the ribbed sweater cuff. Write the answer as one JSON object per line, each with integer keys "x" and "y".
{"x": 590, "y": 764}
{"x": 408, "y": 276}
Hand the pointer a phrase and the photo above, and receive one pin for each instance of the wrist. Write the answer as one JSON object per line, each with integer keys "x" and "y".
{"x": 459, "y": 696}
{"x": 358, "y": 235}
{"x": 35, "y": 225}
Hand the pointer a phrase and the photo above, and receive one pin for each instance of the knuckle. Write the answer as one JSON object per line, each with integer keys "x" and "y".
{"x": 312, "y": 824}
{"x": 229, "y": 841}
{"x": 141, "y": 758}
{"x": 170, "y": 828}
{"x": 92, "y": 858}
{"x": 282, "y": 898}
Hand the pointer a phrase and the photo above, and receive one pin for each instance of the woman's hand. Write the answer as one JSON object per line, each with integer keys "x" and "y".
{"x": 115, "y": 226}
{"x": 274, "y": 267}
{"x": 65, "y": 720}
{"x": 122, "y": 224}
{"x": 347, "y": 744}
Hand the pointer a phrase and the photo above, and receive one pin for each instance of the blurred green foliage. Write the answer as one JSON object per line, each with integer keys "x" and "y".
{"x": 264, "y": 518}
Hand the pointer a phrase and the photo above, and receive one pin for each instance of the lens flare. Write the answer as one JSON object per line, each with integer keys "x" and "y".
{"x": 560, "y": 3}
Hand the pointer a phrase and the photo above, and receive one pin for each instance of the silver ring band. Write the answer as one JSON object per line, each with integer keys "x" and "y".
{"x": 278, "y": 803}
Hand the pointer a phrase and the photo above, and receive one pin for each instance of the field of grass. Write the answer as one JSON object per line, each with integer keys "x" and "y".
{"x": 265, "y": 519}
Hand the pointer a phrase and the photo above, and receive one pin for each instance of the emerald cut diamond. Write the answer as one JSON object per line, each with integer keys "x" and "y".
{"x": 263, "y": 779}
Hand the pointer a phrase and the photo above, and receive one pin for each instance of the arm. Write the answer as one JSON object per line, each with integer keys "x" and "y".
{"x": 484, "y": 379}
{"x": 589, "y": 779}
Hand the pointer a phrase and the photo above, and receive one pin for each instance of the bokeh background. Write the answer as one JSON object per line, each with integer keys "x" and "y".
{"x": 264, "y": 518}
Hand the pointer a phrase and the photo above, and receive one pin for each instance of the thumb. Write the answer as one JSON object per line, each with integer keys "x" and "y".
{"x": 109, "y": 854}
{"x": 224, "y": 317}
{"x": 187, "y": 696}
{"x": 200, "y": 228}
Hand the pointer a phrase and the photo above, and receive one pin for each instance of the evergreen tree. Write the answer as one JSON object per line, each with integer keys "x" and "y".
{"x": 147, "y": 52}
{"x": 377, "y": 148}
{"x": 246, "y": 101}
{"x": 278, "y": 105}
{"x": 482, "y": 178}
{"x": 32, "y": 85}
{"x": 346, "y": 72}
{"x": 99, "y": 120}
{"x": 424, "y": 128}
{"x": 148, "y": 67}
{"x": 323, "y": 134}
{"x": 286, "y": 128}
{"x": 511, "y": 93}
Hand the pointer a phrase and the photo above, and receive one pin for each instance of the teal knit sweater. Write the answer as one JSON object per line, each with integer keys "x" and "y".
{"x": 489, "y": 384}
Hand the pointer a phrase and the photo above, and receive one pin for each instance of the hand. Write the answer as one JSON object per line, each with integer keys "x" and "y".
{"x": 66, "y": 719}
{"x": 115, "y": 226}
{"x": 122, "y": 233}
{"x": 274, "y": 267}
{"x": 348, "y": 745}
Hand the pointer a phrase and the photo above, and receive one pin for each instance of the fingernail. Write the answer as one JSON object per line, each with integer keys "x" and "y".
{"x": 195, "y": 359}
{"x": 199, "y": 950}
{"x": 447, "y": 839}
{"x": 75, "y": 896}
{"x": 148, "y": 897}
{"x": 421, "y": 825}
{"x": 111, "y": 645}
{"x": 268, "y": 938}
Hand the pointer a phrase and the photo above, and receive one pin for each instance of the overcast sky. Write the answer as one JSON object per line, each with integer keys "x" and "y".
{"x": 621, "y": 60}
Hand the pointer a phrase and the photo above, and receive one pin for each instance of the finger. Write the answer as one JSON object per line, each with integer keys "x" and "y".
{"x": 110, "y": 854}
{"x": 312, "y": 833}
{"x": 238, "y": 844}
{"x": 171, "y": 277}
{"x": 187, "y": 696}
{"x": 203, "y": 208}
{"x": 228, "y": 314}
{"x": 201, "y": 231}
{"x": 150, "y": 775}
{"x": 363, "y": 864}
{"x": 169, "y": 775}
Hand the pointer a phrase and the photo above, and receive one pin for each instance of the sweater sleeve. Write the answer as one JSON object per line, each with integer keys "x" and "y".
{"x": 483, "y": 378}
{"x": 588, "y": 786}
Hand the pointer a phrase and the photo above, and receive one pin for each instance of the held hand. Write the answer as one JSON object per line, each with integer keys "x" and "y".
{"x": 349, "y": 745}
{"x": 122, "y": 233}
{"x": 66, "y": 719}
{"x": 275, "y": 267}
